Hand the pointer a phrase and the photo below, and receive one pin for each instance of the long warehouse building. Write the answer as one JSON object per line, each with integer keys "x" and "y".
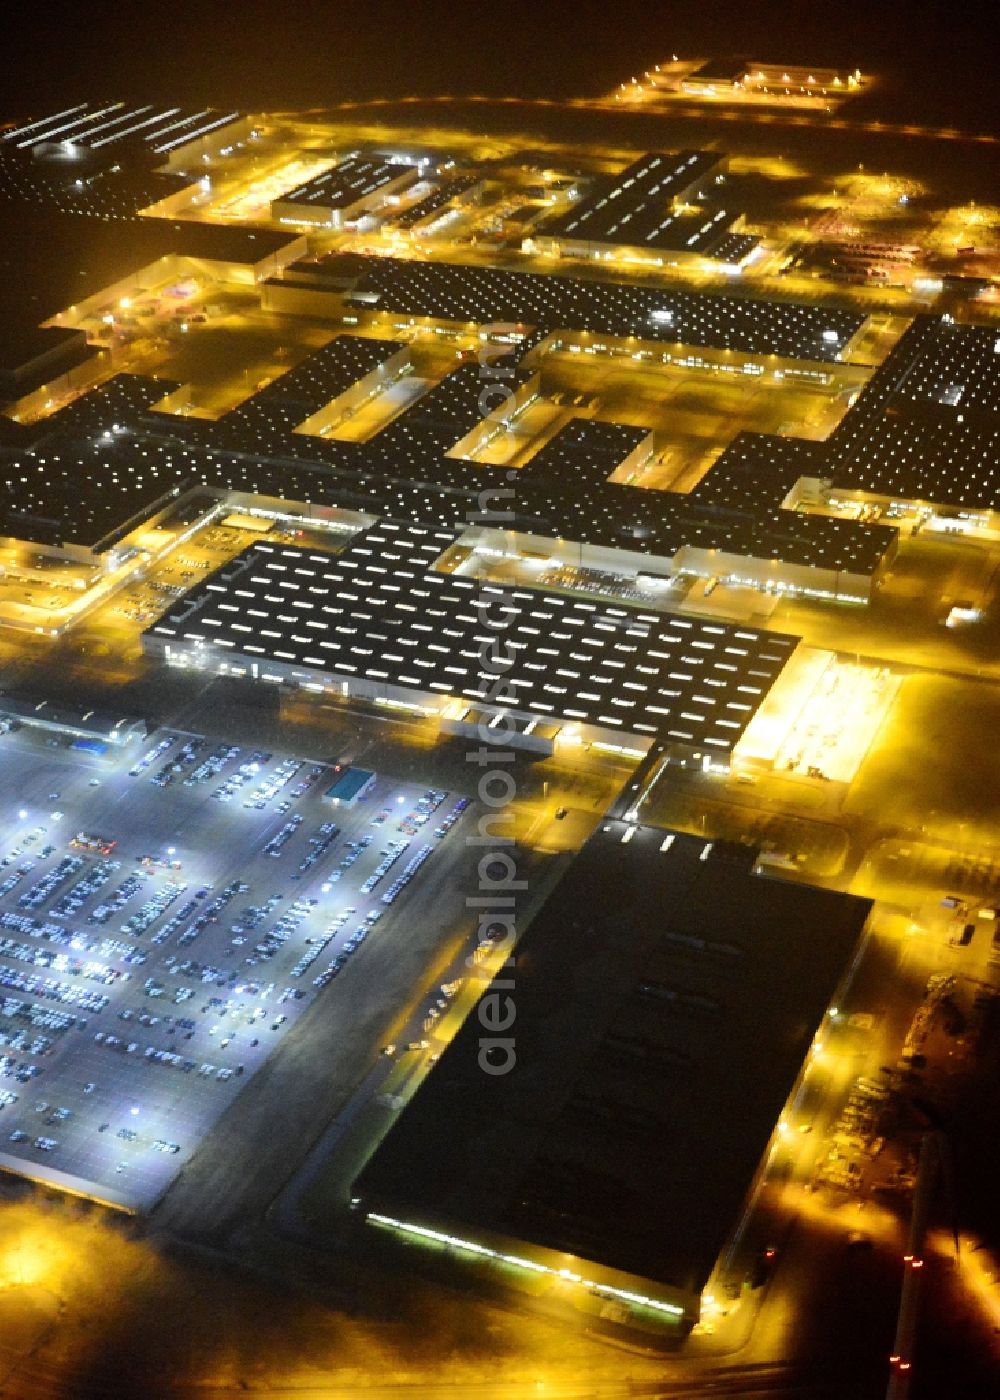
{"x": 595, "y": 1128}
{"x": 377, "y": 623}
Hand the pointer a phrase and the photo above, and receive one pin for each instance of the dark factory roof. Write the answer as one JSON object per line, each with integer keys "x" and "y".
{"x": 462, "y": 292}
{"x": 583, "y": 454}
{"x": 662, "y": 522}
{"x": 353, "y": 179}
{"x": 562, "y": 491}
{"x": 93, "y": 126}
{"x": 645, "y": 206}
{"x": 284, "y": 403}
{"x": 665, "y": 1000}
{"x": 758, "y": 468}
{"x": 436, "y": 200}
{"x": 926, "y": 426}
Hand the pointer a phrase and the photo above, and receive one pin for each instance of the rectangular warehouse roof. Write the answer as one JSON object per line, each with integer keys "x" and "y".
{"x": 355, "y": 178}
{"x": 349, "y": 785}
{"x": 378, "y": 612}
{"x": 294, "y": 396}
{"x": 96, "y": 724}
{"x": 92, "y": 126}
{"x": 660, "y": 523}
{"x": 437, "y": 199}
{"x": 926, "y": 426}
{"x": 564, "y": 490}
{"x": 665, "y": 998}
{"x": 461, "y": 292}
{"x": 642, "y": 206}
{"x": 584, "y": 453}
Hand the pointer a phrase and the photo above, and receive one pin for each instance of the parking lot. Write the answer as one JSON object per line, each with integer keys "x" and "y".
{"x": 167, "y": 915}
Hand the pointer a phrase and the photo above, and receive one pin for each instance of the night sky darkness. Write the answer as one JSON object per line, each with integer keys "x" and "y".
{"x": 939, "y": 54}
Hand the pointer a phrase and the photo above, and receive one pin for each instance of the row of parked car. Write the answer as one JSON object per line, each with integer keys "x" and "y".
{"x": 423, "y": 809}
{"x": 270, "y": 786}
{"x": 69, "y": 938}
{"x": 77, "y": 895}
{"x": 157, "y": 1055}
{"x": 213, "y": 765}
{"x": 186, "y": 755}
{"x": 409, "y": 870}
{"x": 150, "y": 758}
{"x": 244, "y": 774}
{"x": 390, "y": 855}
{"x": 52, "y": 989}
{"x": 104, "y": 912}
{"x": 157, "y": 904}
{"x": 353, "y": 850}
{"x": 351, "y": 946}
{"x": 283, "y": 835}
{"x": 319, "y": 845}
{"x": 43, "y": 890}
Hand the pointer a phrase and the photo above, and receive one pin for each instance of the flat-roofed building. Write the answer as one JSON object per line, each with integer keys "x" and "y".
{"x": 743, "y": 77}
{"x": 377, "y": 623}
{"x": 442, "y": 203}
{"x": 356, "y": 186}
{"x": 123, "y": 132}
{"x": 661, "y": 208}
{"x": 349, "y": 789}
{"x": 926, "y": 426}
{"x": 799, "y": 80}
{"x": 39, "y": 355}
{"x": 715, "y": 75}
{"x": 76, "y": 722}
{"x": 586, "y": 452}
{"x": 459, "y": 293}
{"x": 596, "y": 1127}
{"x": 333, "y": 380}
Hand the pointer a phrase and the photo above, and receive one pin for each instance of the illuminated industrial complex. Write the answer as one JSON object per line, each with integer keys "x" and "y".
{"x": 336, "y": 463}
